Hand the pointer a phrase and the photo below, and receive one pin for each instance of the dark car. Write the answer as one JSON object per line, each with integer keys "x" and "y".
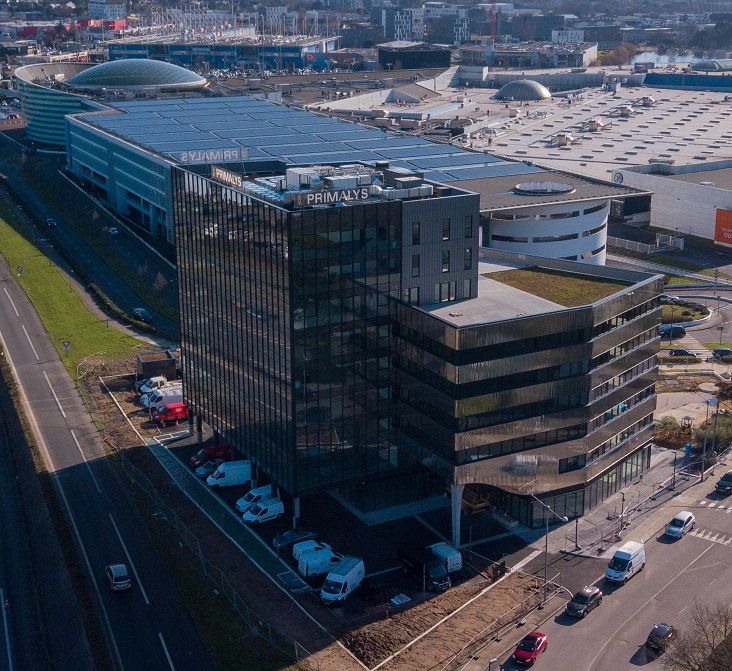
{"x": 51, "y": 223}
{"x": 680, "y": 351}
{"x": 142, "y": 315}
{"x": 660, "y": 638}
{"x": 530, "y": 647}
{"x": 424, "y": 567}
{"x": 293, "y": 536}
{"x": 721, "y": 352}
{"x": 671, "y": 331}
{"x": 724, "y": 484}
{"x": 586, "y": 600}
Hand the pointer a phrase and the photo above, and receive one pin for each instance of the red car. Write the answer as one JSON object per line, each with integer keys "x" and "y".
{"x": 220, "y": 451}
{"x": 530, "y": 647}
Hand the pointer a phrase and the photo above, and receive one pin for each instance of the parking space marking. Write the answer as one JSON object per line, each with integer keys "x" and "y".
{"x": 165, "y": 649}
{"x": 6, "y": 628}
{"x": 712, "y": 504}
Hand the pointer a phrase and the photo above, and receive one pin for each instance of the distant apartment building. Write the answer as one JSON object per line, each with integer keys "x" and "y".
{"x": 403, "y": 24}
{"x": 568, "y": 36}
{"x": 107, "y": 10}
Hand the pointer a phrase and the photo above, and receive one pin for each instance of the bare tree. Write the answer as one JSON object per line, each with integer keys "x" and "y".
{"x": 706, "y": 644}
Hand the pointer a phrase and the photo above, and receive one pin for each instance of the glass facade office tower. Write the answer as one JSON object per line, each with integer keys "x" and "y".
{"x": 361, "y": 345}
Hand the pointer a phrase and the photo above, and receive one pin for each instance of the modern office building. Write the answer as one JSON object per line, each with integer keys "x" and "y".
{"x": 342, "y": 328}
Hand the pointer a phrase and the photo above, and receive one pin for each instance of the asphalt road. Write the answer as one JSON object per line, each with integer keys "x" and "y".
{"x": 611, "y": 638}
{"x": 21, "y": 639}
{"x": 148, "y": 626}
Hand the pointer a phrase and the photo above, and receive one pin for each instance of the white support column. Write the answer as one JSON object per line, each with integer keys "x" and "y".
{"x": 456, "y": 505}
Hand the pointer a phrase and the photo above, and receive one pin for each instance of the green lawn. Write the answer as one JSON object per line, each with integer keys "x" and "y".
{"x": 567, "y": 289}
{"x": 64, "y": 315}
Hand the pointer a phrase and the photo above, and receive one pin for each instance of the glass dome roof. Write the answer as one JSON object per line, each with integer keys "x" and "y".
{"x": 523, "y": 89}
{"x": 136, "y": 72}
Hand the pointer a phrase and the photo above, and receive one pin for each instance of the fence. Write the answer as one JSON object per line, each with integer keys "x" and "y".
{"x": 255, "y": 624}
{"x": 632, "y": 246}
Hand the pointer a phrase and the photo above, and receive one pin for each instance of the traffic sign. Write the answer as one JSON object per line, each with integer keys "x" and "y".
{"x": 20, "y": 269}
{"x": 66, "y": 344}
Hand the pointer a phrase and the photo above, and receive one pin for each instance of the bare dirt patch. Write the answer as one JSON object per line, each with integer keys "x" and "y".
{"x": 681, "y": 383}
{"x": 490, "y": 611}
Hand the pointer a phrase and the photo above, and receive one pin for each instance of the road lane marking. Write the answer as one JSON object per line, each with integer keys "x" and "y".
{"x": 17, "y": 314}
{"x": 167, "y": 654}
{"x": 712, "y": 504}
{"x": 129, "y": 559}
{"x": 701, "y": 503}
{"x": 88, "y": 467}
{"x": 7, "y": 631}
{"x": 58, "y": 403}
{"x": 612, "y": 638}
{"x": 526, "y": 560}
{"x": 30, "y": 342}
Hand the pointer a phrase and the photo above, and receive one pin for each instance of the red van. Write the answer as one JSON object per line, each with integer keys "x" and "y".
{"x": 171, "y": 413}
{"x": 220, "y": 451}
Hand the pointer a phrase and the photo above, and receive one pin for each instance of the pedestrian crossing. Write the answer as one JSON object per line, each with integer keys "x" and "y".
{"x": 711, "y": 536}
{"x": 726, "y": 507}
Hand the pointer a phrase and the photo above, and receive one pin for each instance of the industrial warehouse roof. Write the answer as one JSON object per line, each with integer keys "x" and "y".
{"x": 268, "y": 131}
{"x": 136, "y": 72}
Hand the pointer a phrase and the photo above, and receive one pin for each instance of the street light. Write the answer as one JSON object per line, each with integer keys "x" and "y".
{"x": 491, "y": 662}
{"x": 561, "y": 518}
{"x": 671, "y": 330}
{"x": 713, "y": 402}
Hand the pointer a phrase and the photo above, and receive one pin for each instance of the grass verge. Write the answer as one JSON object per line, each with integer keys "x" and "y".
{"x": 63, "y": 313}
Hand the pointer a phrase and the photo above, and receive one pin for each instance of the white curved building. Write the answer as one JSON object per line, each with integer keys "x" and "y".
{"x": 50, "y": 91}
{"x": 45, "y": 104}
{"x": 555, "y": 219}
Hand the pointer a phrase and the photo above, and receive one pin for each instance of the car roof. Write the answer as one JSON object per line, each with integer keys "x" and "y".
{"x": 117, "y": 569}
{"x": 589, "y": 589}
{"x": 684, "y": 514}
{"x": 662, "y": 629}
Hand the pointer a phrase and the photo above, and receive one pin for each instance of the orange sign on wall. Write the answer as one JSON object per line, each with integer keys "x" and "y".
{"x": 723, "y": 227}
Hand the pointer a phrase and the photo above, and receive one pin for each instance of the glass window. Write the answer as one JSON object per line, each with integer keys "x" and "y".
{"x": 414, "y": 296}
{"x": 415, "y": 265}
{"x": 446, "y": 262}
{"x": 446, "y": 228}
{"x": 416, "y": 226}
{"x": 467, "y": 286}
{"x": 468, "y": 258}
{"x": 469, "y": 226}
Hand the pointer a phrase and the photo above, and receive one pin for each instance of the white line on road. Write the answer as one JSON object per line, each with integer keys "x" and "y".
{"x": 88, "y": 467}
{"x": 129, "y": 559}
{"x": 58, "y": 403}
{"x": 30, "y": 342}
{"x": 526, "y": 560}
{"x": 17, "y": 314}
{"x": 7, "y": 632}
{"x": 167, "y": 654}
{"x": 613, "y": 637}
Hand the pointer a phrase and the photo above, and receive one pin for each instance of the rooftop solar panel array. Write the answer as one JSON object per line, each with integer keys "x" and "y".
{"x": 295, "y": 136}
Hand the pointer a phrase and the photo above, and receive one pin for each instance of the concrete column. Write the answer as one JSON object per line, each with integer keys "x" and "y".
{"x": 456, "y": 506}
{"x": 295, "y": 511}
{"x": 190, "y": 422}
{"x": 199, "y": 428}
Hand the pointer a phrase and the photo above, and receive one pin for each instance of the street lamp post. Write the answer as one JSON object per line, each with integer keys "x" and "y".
{"x": 561, "y": 518}
{"x": 671, "y": 330}
{"x": 713, "y": 402}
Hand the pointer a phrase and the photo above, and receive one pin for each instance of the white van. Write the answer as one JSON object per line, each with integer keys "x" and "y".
{"x": 160, "y": 397}
{"x": 299, "y": 549}
{"x": 316, "y": 563}
{"x": 230, "y": 473}
{"x": 626, "y": 562}
{"x": 252, "y": 497}
{"x": 451, "y": 557}
{"x": 342, "y": 581}
{"x": 265, "y": 510}
{"x": 149, "y": 384}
